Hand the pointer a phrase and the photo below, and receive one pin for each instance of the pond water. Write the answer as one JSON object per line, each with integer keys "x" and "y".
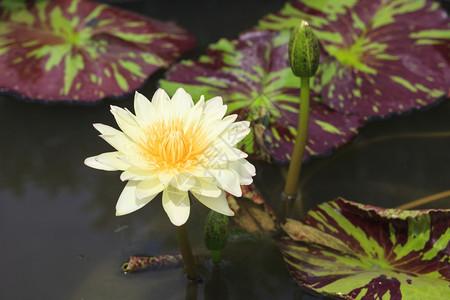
{"x": 59, "y": 238}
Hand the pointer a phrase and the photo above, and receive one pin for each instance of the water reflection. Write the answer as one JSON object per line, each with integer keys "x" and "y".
{"x": 191, "y": 290}
{"x": 216, "y": 287}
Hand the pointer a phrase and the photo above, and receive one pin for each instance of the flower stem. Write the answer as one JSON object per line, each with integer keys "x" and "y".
{"x": 186, "y": 252}
{"x": 292, "y": 180}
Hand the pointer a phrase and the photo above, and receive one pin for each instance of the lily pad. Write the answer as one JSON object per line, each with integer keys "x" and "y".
{"x": 381, "y": 57}
{"x": 353, "y": 251}
{"x": 252, "y": 214}
{"x": 252, "y": 75}
{"x": 81, "y": 50}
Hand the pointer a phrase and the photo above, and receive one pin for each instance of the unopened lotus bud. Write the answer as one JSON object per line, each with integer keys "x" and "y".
{"x": 304, "y": 51}
{"x": 216, "y": 234}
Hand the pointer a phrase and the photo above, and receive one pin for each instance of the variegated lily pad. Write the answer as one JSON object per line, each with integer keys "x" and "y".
{"x": 253, "y": 76}
{"x": 354, "y": 251}
{"x": 382, "y": 56}
{"x": 252, "y": 214}
{"x": 81, "y": 50}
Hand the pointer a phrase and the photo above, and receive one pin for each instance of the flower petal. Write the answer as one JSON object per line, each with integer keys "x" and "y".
{"x": 220, "y": 153}
{"x": 194, "y": 116}
{"x": 245, "y": 170}
{"x": 206, "y": 187}
{"x": 176, "y": 204}
{"x": 215, "y": 109}
{"x": 117, "y": 139}
{"x": 109, "y": 161}
{"x": 149, "y": 187}
{"x": 183, "y": 181}
{"x": 218, "y": 204}
{"x": 128, "y": 202}
{"x": 143, "y": 108}
{"x": 134, "y": 173}
{"x": 105, "y": 129}
{"x": 182, "y": 101}
{"x": 160, "y": 99}
{"x": 217, "y": 127}
{"x": 127, "y": 123}
{"x": 236, "y": 132}
{"x": 228, "y": 180}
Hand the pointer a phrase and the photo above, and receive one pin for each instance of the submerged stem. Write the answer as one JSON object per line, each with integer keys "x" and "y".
{"x": 186, "y": 252}
{"x": 425, "y": 200}
{"x": 292, "y": 183}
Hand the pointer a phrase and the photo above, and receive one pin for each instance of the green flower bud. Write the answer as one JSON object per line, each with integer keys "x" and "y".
{"x": 304, "y": 51}
{"x": 216, "y": 234}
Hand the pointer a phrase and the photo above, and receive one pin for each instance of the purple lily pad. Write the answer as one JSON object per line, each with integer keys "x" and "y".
{"x": 353, "y": 251}
{"x": 252, "y": 75}
{"x": 80, "y": 50}
{"x": 381, "y": 57}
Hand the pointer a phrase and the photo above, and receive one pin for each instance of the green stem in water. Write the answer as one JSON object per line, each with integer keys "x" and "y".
{"x": 216, "y": 256}
{"x": 292, "y": 180}
{"x": 186, "y": 252}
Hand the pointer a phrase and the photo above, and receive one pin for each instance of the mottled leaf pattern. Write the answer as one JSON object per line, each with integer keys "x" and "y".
{"x": 80, "y": 50}
{"x": 253, "y": 76}
{"x": 354, "y": 251}
{"x": 252, "y": 214}
{"x": 380, "y": 56}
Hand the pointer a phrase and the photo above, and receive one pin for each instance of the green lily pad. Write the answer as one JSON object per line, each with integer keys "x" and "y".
{"x": 353, "y": 251}
{"x": 79, "y": 50}
{"x": 380, "y": 57}
{"x": 253, "y": 76}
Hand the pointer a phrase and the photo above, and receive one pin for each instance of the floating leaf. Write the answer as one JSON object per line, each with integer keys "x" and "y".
{"x": 141, "y": 263}
{"x": 253, "y": 76}
{"x": 384, "y": 57}
{"x": 355, "y": 251}
{"x": 81, "y": 50}
{"x": 252, "y": 213}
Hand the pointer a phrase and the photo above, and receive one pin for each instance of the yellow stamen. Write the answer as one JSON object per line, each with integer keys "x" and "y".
{"x": 171, "y": 145}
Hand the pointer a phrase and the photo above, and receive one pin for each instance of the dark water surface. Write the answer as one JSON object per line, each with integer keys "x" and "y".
{"x": 59, "y": 238}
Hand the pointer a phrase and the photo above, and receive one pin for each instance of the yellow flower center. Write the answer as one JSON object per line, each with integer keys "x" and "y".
{"x": 172, "y": 146}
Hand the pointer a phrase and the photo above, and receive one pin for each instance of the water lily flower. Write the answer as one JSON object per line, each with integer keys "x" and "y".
{"x": 176, "y": 147}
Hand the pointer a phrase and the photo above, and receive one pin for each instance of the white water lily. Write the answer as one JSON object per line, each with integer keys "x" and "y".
{"x": 175, "y": 147}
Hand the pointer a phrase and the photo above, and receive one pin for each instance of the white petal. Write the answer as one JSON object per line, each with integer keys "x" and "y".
{"x": 218, "y": 204}
{"x": 201, "y": 101}
{"x": 245, "y": 170}
{"x": 144, "y": 109}
{"x": 176, "y": 204}
{"x": 217, "y": 127}
{"x": 183, "y": 181}
{"x": 109, "y": 161}
{"x": 121, "y": 143}
{"x": 134, "y": 173}
{"x": 128, "y": 202}
{"x": 137, "y": 160}
{"x": 220, "y": 153}
{"x": 165, "y": 178}
{"x": 148, "y": 188}
{"x": 236, "y": 132}
{"x": 228, "y": 180}
{"x": 206, "y": 187}
{"x": 105, "y": 129}
{"x": 160, "y": 99}
{"x": 215, "y": 109}
{"x": 193, "y": 117}
{"x": 181, "y": 100}
{"x": 127, "y": 123}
